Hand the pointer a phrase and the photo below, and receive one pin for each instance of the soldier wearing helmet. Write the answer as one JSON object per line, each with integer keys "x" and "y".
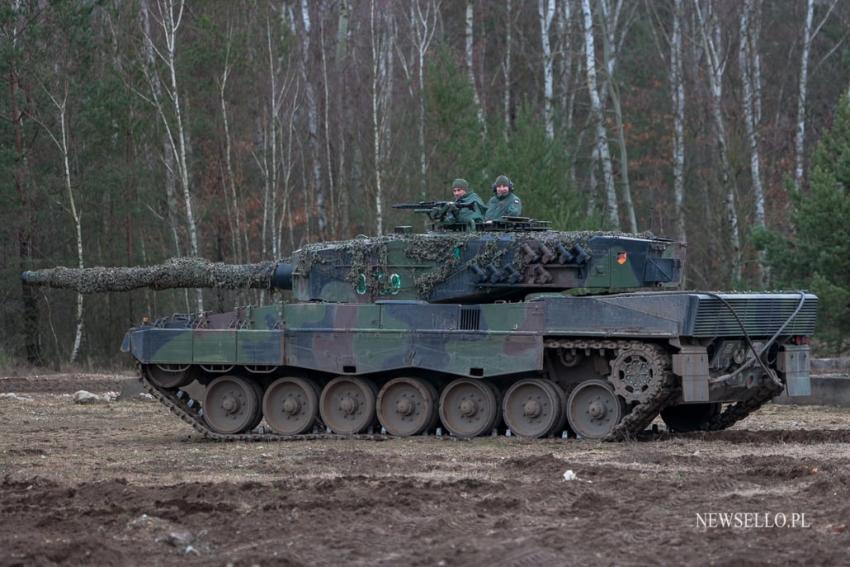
{"x": 504, "y": 203}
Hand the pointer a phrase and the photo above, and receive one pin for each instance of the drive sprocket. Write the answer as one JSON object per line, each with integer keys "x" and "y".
{"x": 638, "y": 372}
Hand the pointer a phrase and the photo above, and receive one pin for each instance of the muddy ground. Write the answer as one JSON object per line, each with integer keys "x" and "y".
{"x": 126, "y": 483}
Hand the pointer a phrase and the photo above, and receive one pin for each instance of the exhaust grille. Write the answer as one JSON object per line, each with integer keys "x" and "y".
{"x": 470, "y": 319}
{"x": 761, "y": 314}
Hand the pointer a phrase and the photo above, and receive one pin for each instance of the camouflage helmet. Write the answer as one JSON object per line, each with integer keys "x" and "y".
{"x": 503, "y": 180}
{"x": 462, "y": 183}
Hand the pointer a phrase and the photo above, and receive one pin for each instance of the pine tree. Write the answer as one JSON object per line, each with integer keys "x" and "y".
{"x": 817, "y": 255}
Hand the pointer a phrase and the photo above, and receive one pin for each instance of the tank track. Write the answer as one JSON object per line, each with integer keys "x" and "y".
{"x": 740, "y": 410}
{"x": 641, "y": 414}
{"x": 634, "y": 422}
{"x": 189, "y": 411}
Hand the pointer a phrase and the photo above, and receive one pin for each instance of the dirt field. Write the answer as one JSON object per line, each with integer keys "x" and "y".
{"x": 126, "y": 483}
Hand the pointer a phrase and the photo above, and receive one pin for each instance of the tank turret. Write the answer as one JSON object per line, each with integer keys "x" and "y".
{"x": 437, "y": 267}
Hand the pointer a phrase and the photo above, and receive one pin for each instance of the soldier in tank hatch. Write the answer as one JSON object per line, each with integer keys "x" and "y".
{"x": 452, "y": 214}
{"x": 504, "y": 202}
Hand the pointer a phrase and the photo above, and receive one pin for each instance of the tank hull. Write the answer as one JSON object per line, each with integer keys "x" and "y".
{"x": 701, "y": 339}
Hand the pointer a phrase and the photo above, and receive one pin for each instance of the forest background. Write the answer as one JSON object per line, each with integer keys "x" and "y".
{"x": 137, "y": 130}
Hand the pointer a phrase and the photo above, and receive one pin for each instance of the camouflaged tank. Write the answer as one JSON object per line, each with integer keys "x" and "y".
{"x": 511, "y": 328}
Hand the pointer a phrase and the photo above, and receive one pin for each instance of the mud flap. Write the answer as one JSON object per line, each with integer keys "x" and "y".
{"x": 691, "y": 363}
{"x": 794, "y": 363}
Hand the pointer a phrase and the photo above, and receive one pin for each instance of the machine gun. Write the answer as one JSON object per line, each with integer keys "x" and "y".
{"x": 428, "y": 206}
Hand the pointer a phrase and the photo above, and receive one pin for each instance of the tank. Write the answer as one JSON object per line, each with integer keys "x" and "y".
{"x": 512, "y": 328}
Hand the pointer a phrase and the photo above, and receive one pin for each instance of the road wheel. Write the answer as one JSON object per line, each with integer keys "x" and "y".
{"x": 593, "y": 409}
{"x": 532, "y": 408}
{"x": 291, "y": 405}
{"x": 469, "y": 407}
{"x": 347, "y": 404}
{"x": 232, "y": 405}
{"x": 407, "y": 406}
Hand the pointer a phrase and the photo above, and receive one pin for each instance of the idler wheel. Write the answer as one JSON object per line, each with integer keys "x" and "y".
{"x": 689, "y": 417}
{"x": 533, "y": 408}
{"x": 347, "y": 405}
{"x": 593, "y": 409}
{"x": 170, "y": 376}
{"x": 407, "y": 406}
{"x": 232, "y": 405}
{"x": 469, "y": 408}
{"x": 291, "y": 405}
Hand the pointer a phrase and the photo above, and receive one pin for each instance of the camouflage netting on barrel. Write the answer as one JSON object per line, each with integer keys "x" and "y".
{"x": 174, "y": 273}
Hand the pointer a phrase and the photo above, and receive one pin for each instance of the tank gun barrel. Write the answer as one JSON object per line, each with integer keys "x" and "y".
{"x": 174, "y": 273}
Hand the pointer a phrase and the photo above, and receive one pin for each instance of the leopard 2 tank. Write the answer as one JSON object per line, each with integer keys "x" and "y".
{"x": 510, "y": 327}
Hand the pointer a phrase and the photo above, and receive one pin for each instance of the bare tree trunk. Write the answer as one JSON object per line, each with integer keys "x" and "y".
{"x": 275, "y": 98}
{"x": 565, "y": 46}
{"x": 61, "y": 142}
{"x": 341, "y": 58}
{"x": 546, "y": 13}
{"x": 717, "y": 65}
{"x": 313, "y": 125}
{"x": 170, "y": 22}
{"x": 332, "y": 216}
{"x": 170, "y": 25}
{"x": 263, "y": 165}
{"x": 288, "y": 166}
{"x": 381, "y": 45}
{"x": 470, "y": 68}
{"x": 746, "y": 58}
{"x": 677, "y": 90}
{"x": 32, "y": 342}
{"x": 423, "y": 24}
{"x": 800, "y": 137}
{"x": 612, "y": 209}
{"x": 231, "y": 196}
{"x": 610, "y": 51}
{"x": 169, "y": 152}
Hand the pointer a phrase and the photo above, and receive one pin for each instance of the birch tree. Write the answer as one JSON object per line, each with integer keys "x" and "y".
{"x": 169, "y": 19}
{"x": 230, "y": 194}
{"x": 809, "y": 35}
{"x": 800, "y": 136}
{"x": 343, "y": 37}
{"x": 677, "y": 91}
{"x": 565, "y": 74}
{"x": 270, "y": 168}
{"x": 332, "y": 207}
{"x": 710, "y": 32}
{"x": 676, "y": 77}
{"x": 747, "y": 65}
{"x": 470, "y": 68}
{"x": 546, "y": 14}
{"x": 613, "y": 36}
{"x": 60, "y": 140}
{"x": 318, "y": 191}
{"x": 423, "y": 25}
{"x": 382, "y": 39}
{"x": 601, "y": 143}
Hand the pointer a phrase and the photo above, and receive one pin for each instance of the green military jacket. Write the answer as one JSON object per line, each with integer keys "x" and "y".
{"x": 507, "y": 206}
{"x": 467, "y": 216}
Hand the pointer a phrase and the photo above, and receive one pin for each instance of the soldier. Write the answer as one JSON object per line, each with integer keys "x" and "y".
{"x": 504, "y": 203}
{"x": 452, "y": 214}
